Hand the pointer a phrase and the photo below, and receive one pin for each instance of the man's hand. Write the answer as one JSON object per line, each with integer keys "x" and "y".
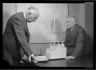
{"x": 70, "y": 57}
{"x": 31, "y": 57}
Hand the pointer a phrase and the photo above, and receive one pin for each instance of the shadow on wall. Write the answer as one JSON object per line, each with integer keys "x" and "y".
{"x": 6, "y": 16}
{"x": 59, "y": 32}
{"x": 89, "y": 44}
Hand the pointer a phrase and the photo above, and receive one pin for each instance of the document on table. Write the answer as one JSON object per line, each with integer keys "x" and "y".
{"x": 40, "y": 59}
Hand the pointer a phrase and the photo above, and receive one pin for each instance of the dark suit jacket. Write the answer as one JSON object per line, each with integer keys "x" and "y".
{"x": 75, "y": 41}
{"x": 15, "y": 37}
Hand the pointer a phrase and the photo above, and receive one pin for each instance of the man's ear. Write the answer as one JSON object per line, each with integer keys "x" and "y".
{"x": 29, "y": 13}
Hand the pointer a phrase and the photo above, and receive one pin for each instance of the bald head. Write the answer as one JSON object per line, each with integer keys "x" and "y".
{"x": 70, "y": 21}
{"x": 31, "y": 14}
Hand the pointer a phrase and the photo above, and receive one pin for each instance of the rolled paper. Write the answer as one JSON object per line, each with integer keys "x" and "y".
{"x": 58, "y": 43}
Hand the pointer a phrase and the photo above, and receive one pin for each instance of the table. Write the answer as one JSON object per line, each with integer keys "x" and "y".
{"x": 84, "y": 61}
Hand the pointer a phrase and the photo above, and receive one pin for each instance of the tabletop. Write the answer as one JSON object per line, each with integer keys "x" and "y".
{"x": 84, "y": 61}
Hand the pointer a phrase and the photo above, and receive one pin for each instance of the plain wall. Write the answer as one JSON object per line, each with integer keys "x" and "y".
{"x": 8, "y": 10}
{"x": 89, "y": 20}
{"x": 82, "y": 15}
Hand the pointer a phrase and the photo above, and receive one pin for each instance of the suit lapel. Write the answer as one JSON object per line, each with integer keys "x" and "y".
{"x": 25, "y": 24}
{"x": 24, "y": 21}
{"x": 71, "y": 33}
{"x": 26, "y": 27}
{"x": 68, "y": 34}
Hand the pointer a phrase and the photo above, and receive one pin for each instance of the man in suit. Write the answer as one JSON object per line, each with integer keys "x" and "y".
{"x": 16, "y": 36}
{"x": 75, "y": 39}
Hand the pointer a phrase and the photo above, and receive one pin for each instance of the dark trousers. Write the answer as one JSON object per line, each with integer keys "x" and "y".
{"x": 4, "y": 64}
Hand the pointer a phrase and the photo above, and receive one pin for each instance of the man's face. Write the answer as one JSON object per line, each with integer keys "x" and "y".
{"x": 31, "y": 17}
{"x": 70, "y": 22}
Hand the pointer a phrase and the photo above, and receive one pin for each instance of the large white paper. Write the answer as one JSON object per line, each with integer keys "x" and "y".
{"x": 40, "y": 58}
{"x": 56, "y": 51}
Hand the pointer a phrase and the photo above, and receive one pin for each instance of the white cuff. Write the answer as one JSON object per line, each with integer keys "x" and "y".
{"x": 30, "y": 57}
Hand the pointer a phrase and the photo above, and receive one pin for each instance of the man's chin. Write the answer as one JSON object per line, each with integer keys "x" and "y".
{"x": 68, "y": 27}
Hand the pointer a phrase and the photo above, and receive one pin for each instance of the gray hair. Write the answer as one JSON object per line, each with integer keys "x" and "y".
{"x": 31, "y": 10}
{"x": 72, "y": 17}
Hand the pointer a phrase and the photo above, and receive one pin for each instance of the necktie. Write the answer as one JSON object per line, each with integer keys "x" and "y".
{"x": 69, "y": 32}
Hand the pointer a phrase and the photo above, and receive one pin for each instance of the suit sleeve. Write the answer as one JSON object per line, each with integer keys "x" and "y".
{"x": 79, "y": 43}
{"x": 20, "y": 34}
{"x": 66, "y": 43}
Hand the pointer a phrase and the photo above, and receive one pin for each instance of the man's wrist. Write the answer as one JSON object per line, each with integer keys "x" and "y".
{"x": 31, "y": 55}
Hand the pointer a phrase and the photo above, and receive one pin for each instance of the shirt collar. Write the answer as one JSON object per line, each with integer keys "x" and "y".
{"x": 24, "y": 14}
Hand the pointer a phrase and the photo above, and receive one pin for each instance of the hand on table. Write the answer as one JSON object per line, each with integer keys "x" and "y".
{"x": 32, "y": 58}
{"x": 70, "y": 57}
